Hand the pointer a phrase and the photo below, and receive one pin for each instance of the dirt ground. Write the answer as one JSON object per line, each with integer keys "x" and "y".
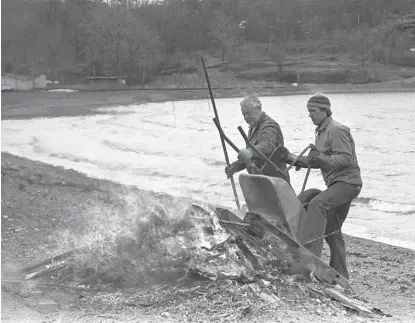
{"x": 39, "y": 201}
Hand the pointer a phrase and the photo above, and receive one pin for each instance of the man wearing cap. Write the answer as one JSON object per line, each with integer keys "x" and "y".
{"x": 334, "y": 154}
{"x": 264, "y": 133}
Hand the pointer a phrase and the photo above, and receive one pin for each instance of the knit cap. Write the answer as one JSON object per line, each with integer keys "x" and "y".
{"x": 319, "y": 100}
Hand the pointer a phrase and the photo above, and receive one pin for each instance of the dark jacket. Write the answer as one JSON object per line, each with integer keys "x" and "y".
{"x": 266, "y": 136}
{"x": 334, "y": 139}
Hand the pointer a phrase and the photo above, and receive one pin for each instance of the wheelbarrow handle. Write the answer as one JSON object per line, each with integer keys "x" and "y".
{"x": 306, "y": 179}
{"x": 261, "y": 155}
{"x": 298, "y": 157}
{"x": 222, "y": 133}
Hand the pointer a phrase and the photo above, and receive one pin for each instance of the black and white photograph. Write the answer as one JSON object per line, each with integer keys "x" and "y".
{"x": 224, "y": 161}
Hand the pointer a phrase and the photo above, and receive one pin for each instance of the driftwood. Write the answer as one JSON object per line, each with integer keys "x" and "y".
{"x": 348, "y": 302}
{"x": 264, "y": 294}
{"x": 59, "y": 257}
{"x": 45, "y": 272}
{"x": 6, "y": 281}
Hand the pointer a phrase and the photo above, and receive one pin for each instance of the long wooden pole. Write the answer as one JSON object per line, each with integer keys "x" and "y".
{"x": 221, "y": 137}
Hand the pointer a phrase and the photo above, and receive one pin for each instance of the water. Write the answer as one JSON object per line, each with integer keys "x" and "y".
{"x": 175, "y": 148}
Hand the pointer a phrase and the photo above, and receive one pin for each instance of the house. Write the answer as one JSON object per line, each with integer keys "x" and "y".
{"x": 12, "y": 82}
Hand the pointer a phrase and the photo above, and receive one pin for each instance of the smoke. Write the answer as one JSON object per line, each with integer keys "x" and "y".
{"x": 125, "y": 238}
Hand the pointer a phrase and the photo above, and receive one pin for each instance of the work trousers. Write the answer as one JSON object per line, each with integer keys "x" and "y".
{"x": 326, "y": 213}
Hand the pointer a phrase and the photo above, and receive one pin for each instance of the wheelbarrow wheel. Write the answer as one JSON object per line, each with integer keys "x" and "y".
{"x": 306, "y": 196}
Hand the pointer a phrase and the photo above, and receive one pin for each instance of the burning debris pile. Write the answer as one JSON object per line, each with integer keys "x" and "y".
{"x": 184, "y": 253}
{"x": 157, "y": 247}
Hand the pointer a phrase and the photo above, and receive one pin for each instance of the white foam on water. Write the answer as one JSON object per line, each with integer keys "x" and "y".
{"x": 383, "y": 206}
{"x": 62, "y": 90}
{"x": 175, "y": 149}
{"x": 392, "y": 207}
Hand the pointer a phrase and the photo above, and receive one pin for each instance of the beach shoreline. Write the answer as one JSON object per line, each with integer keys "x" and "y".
{"x": 35, "y": 104}
{"x": 40, "y": 200}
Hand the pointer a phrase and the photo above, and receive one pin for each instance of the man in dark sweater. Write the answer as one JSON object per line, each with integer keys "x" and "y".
{"x": 264, "y": 133}
{"x": 335, "y": 155}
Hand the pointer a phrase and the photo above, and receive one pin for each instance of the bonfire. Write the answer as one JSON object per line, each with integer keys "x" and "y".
{"x": 184, "y": 259}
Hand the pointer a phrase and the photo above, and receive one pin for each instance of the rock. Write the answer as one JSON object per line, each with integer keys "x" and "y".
{"x": 265, "y": 282}
{"x": 47, "y": 306}
{"x": 269, "y": 297}
{"x": 403, "y": 281}
{"x": 165, "y": 314}
{"x": 403, "y": 288}
{"x": 389, "y": 278}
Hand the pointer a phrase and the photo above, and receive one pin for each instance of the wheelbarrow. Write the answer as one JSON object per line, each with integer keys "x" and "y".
{"x": 275, "y": 215}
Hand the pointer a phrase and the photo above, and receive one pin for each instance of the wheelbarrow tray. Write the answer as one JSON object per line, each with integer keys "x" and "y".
{"x": 267, "y": 238}
{"x": 273, "y": 223}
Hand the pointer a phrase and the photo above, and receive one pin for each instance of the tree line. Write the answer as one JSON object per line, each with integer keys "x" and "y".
{"x": 141, "y": 39}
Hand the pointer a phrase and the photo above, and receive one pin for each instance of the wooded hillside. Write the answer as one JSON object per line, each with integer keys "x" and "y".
{"x": 142, "y": 40}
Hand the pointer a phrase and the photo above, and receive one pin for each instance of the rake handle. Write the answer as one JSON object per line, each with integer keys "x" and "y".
{"x": 221, "y": 138}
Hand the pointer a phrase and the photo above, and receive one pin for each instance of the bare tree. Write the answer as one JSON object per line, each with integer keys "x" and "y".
{"x": 142, "y": 47}
{"x": 225, "y": 29}
{"x": 361, "y": 42}
{"x": 278, "y": 56}
{"x": 125, "y": 41}
{"x": 104, "y": 35}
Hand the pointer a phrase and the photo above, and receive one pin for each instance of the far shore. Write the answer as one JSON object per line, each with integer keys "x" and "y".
{"x": 74, "y": 102}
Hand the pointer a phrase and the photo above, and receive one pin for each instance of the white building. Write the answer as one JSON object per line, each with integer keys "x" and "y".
{"x": 22, "y": 82}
